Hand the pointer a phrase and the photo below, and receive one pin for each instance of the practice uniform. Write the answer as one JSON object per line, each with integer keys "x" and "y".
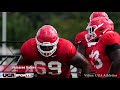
{"x": 55, "y": 66}
{"x": 100, "y": 59}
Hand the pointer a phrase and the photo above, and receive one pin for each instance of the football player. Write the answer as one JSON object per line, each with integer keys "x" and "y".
{"x": 85, "y": 40}
{"x": 54, "y": 54}
{"x": 106, "y": 54}
{"x": 85, "y": 36}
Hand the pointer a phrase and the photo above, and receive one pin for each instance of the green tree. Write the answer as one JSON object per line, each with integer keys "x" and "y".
{"x": 24, "y": 25}
{"x": 19, "y": 28}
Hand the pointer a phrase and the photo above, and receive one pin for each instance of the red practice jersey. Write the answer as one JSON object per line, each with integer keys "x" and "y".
{"x": 81, "y": 38}
{"x": 55, "y": 66}
{"x": 100, "y": 59}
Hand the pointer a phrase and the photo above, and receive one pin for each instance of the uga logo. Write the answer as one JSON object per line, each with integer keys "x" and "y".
{"x": 8, "y": 75}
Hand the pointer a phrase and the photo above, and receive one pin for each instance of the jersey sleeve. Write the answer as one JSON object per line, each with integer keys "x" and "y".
{"x": 25, "y": 50}
{"x": 71, "y": 50}
{"x": 80, "y": 38}
{"x": 110, "y": 38}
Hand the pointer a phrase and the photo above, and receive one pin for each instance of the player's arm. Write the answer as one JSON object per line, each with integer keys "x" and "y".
{"x": 114, "y": 55}
{"x": 81, "y": 49}
{"x": 80, "y": 61}
{"x": 80, "y": 42}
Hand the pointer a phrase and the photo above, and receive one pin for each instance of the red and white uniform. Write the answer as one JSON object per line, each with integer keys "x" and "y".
{"x": 100, "y": 59}
{"x": 81, "y": 38}
{"x": 55, "y": 66}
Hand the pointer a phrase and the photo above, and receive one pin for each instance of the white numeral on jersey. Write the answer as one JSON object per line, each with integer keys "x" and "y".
{"x": 58, "y": 67}
{"x": 42, "y": 68}
{"x": 52, "y": 65}
{"x": 96, "y": 55}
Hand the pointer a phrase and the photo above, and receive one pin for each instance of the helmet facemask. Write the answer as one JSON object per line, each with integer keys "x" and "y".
{"x": 92, "y": 32}
{"x": 47, "y": 53}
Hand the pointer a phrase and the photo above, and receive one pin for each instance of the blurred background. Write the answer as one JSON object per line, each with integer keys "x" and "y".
{"x": 17, "y": 27}
{"x": 21, "y": 26}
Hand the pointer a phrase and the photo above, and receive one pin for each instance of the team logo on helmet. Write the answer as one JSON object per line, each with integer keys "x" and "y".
{"x": 98, "y": 26}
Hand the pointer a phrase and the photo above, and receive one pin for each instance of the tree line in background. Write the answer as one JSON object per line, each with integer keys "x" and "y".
{"x": 23, "y": 25}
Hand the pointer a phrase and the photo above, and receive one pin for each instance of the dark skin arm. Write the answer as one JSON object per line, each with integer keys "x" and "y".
{"x": 115, "y": 58}
{"x": 79, "y": 61}
{"x": 80, "y": 49}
